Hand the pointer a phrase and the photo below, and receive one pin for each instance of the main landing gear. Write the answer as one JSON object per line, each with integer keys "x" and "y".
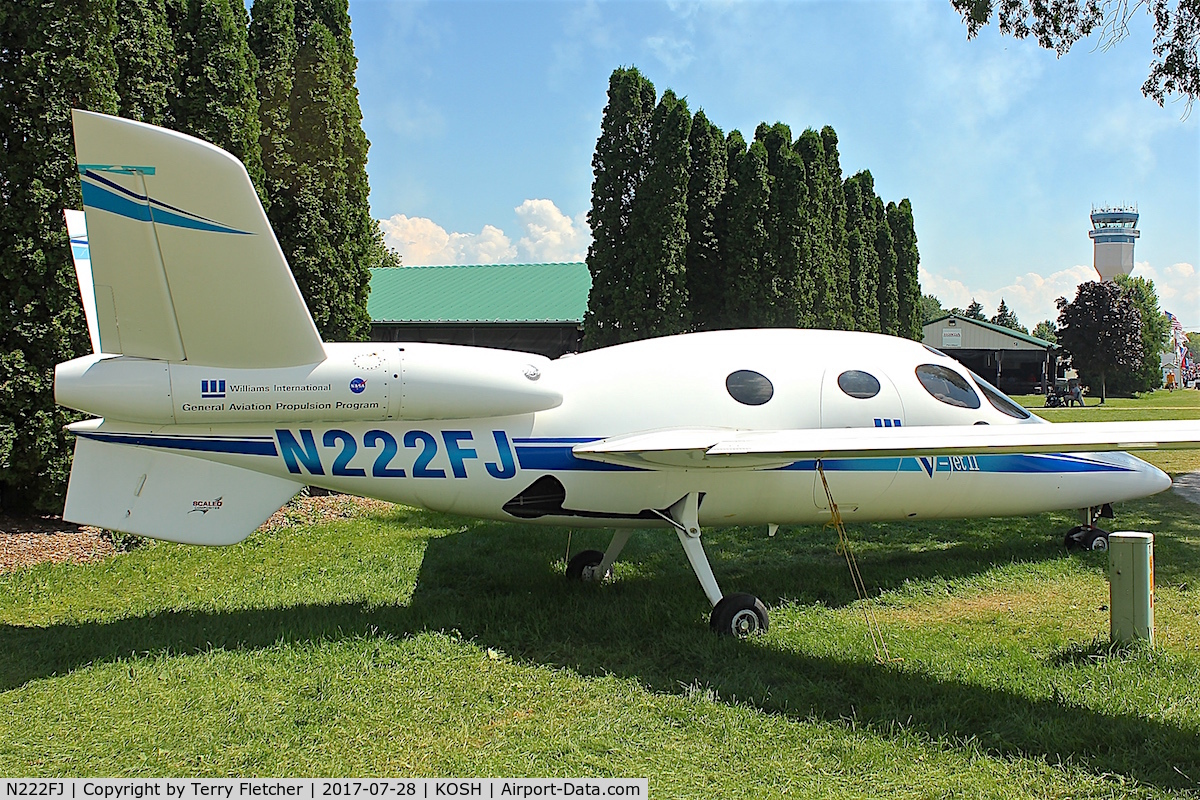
{"x": 1087, "y": 536}
{"x": 733, "y": 615}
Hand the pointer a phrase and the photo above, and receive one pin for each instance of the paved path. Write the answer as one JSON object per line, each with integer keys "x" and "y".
{"x": 1188, "y": 486}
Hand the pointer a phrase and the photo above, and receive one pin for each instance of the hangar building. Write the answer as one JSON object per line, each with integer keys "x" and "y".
{"x": 1015, "y": 362}
{"x": 534, "y": 308}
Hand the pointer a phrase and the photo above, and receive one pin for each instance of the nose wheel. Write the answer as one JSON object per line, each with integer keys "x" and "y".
{"x": 1087, "y": 536}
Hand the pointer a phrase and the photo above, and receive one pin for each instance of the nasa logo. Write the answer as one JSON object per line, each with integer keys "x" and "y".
{"x": 358, "y": 385}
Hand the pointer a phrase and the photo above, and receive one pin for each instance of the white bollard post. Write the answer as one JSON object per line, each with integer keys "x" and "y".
{"x": 1131, "y": 586}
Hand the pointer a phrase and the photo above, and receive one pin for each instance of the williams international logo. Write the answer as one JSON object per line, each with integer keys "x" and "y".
{"x": 358, "y": 385}
{"x": 212, "y": 388}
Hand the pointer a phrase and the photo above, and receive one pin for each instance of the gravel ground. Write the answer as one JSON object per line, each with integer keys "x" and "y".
{"x": 33, "y": 540}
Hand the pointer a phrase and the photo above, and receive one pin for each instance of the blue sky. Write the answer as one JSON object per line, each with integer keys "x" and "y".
{"x": 483, "y": 118}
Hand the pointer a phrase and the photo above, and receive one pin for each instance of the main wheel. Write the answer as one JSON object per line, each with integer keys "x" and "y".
{"x": 1096, "y": 540}
{"x": 582, "y": 566}
{"x": 739, "y": 615}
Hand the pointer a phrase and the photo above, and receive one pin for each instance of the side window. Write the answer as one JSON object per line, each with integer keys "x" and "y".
{"x": 857, "y": 383}
{"x": 947, "y": 386}
{"x": 749, "y": 388}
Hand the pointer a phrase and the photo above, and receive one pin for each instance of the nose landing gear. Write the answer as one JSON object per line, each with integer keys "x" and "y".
{"x": 1087, "y": 536}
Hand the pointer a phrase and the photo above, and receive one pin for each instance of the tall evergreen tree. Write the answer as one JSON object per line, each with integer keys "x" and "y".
{"x": 1005, "y": 316}
{"x": 144, "y": 48}
{"x": 975, "y": 311}
{"x": 837, "y": 231}
{"x": 859, "y": 190}
{"x": 618, "y": 165}
{"x": 658, "y": 227}
{"x": 908, "y": 286}
{"x": 743, "y": 236}
{"x": 820, "y": 245}
{"x": 53, "y": 57}
{"x": 885, "y": 250}
{"x": 791, "y": 298}
{"x": 312, "y": 141}
{"x": 706, "y": 184}
{"x": 215, "y": 97}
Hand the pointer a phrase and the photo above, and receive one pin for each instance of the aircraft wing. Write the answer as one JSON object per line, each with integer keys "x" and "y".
{"x": 711, "y": 447}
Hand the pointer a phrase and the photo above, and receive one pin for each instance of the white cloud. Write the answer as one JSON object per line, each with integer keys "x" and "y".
{"x": 551, "y": 235}
{"x": 1178, "y": 289}
{"x": 1031, "y": 296}
{"x": 675, "y": 54}
{"x": 422, "y": 241}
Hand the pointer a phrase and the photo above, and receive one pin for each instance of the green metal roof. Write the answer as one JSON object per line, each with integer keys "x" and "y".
{"x": 999, "y": 329}
{"x": 480, "y": 293}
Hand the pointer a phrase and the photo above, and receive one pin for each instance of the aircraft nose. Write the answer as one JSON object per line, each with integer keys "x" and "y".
{"x": 1156, "y": 480}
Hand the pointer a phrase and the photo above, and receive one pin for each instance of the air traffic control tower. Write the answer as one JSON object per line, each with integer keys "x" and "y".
{"x": 1114, "y": 231}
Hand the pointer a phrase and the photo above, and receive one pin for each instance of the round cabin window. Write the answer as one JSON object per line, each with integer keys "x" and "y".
{"x": 749, "y": 387}
{"x": 857, "y": 383}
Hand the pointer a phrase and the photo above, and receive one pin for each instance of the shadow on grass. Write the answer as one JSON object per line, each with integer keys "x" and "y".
{"x": 486, "y": 583}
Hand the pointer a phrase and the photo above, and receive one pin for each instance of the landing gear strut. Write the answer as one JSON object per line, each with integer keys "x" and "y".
{"x": 1087, "y": 536}
{"x": 592, "y": 565}
{"x": 732, "y": 615}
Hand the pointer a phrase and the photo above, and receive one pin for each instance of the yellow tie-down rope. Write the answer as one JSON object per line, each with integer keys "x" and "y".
{"x": 860, "y": 588}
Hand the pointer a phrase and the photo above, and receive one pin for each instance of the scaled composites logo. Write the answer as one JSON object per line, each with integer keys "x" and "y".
{"x": 202, "y": 507}
{"x": 212, "y": 388}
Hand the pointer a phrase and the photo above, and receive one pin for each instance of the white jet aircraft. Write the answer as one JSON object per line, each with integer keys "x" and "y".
{"x": 218, "y": 401}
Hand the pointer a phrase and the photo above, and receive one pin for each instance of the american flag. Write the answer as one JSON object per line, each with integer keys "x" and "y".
{"x": 1179, "y": 340}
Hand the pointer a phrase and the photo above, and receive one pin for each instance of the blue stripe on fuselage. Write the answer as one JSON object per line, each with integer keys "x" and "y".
{"x": 250, "y": 446}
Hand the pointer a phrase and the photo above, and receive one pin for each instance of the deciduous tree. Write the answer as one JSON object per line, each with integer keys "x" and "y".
{"x": 1147, "y": 375}
{"x": 1101, "y": 329}
{"x": 1046, "y": 330}
{"x": 1058, "y": 25}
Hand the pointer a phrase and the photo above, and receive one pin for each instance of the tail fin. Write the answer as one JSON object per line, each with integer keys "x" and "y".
{"x": 80, "y": 254}
{"x": 154, "y": 493}
{"x": 185, "y": 264}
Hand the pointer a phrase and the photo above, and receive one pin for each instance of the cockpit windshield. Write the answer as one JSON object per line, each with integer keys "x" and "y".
{"x": 999, "y": 400}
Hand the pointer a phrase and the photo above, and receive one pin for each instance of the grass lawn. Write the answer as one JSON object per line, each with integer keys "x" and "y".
{"x": 407, "y": 642}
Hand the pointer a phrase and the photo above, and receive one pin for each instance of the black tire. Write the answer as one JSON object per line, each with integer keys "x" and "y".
{"x": 739, "y": 615}
{"x": 1075, "y": 536}
{"x": 582, "y": 566}
{"x": 1096, "y": 540}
